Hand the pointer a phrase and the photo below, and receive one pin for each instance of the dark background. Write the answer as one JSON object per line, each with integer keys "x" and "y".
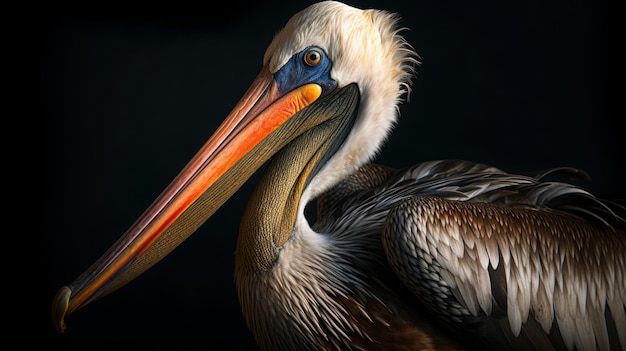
{"x": 130, "y": 94}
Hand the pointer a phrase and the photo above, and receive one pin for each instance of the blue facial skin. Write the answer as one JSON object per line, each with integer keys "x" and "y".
{"x": 301, "y": 70}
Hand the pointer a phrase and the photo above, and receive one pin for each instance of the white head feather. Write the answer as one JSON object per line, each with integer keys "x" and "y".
{"x": 365, "y": 48}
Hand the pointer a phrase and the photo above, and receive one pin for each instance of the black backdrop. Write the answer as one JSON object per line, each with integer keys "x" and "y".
{"x": 129, "y": 96}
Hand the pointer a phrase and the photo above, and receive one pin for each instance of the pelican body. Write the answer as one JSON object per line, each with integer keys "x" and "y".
{"x": 444, "y": 255}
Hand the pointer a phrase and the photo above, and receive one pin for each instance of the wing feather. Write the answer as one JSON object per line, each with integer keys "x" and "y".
{"x": 532, "y": 262}
{"x": 551, "y": 289}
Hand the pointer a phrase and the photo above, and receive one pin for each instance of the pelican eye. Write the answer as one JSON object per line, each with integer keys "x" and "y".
{"x": 312, "y": 57}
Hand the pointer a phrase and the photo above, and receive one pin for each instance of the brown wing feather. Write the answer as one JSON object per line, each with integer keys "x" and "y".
{"x": 502, "y": 256}
{"x": 555, "y": 269}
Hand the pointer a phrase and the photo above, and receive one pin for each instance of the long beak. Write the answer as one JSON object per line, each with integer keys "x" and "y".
{"x": 246, "y": 139}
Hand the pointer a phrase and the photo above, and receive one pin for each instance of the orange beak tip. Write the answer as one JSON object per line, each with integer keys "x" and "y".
{"x": 59, "y": 308}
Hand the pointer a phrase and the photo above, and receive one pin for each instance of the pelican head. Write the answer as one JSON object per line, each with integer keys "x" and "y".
{"x": 323, "y": 103}
{"x": 349, "y": 40}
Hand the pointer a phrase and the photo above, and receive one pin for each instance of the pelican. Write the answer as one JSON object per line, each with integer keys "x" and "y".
{"x": 443, "y": 255}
